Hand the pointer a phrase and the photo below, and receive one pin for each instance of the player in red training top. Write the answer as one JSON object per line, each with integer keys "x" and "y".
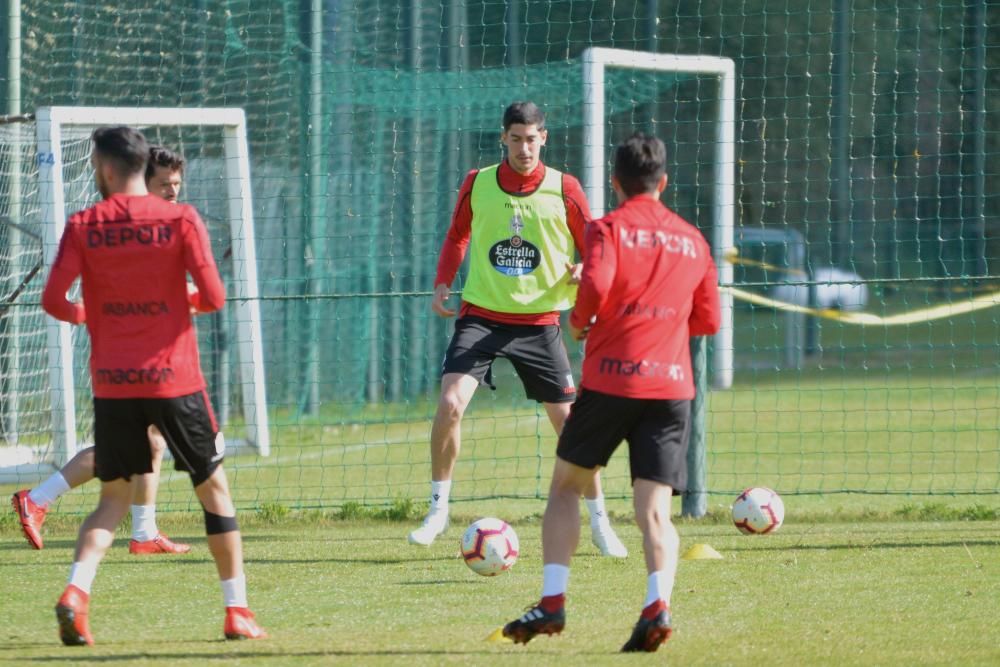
{"x": 649, "y": 283}
{"x": 164, "y": 176}
{"x": 132, "y": 252}
{"x": 522, "y": 223}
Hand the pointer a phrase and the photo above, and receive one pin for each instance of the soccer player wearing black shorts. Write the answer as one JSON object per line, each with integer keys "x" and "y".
{"x": 649, "y": 284}
{"x": 132, "y": 252}
{"x": 164, "y": 177}
{"x": 522, "y": 224}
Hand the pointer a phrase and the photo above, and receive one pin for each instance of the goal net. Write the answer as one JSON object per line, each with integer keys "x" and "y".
{"x": 46, "y": 408}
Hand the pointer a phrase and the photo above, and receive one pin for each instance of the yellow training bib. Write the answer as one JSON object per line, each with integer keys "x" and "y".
{"x": 519, "y": 248}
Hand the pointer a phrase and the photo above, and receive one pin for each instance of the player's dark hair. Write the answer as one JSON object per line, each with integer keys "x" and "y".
{"x": 125, "y": 148}
{"x": 640, "y": 162}
{"x": 161, "y": 156}
{"x": 523, "y": 113}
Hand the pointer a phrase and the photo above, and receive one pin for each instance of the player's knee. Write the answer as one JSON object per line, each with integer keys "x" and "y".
{"x": 568, "y": 486}
{"x": 451, "y": 407}
{"x": 651, "y": 518}
{"x": 216, "y": 524}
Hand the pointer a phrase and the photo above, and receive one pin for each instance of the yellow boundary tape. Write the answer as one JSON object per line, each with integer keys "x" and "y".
{"x": 981, "y": 302}
{"x": 733, "y": 257}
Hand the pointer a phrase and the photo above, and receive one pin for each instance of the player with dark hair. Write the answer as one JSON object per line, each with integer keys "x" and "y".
{"x": 164, "y": 173}
{"x": 131, "y": 250}
{"x": 164, "y": 176}
{"x": 649, "y": 284}
{"x": 524, "y": 221}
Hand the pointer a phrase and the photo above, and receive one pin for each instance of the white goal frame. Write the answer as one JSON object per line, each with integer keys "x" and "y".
{"x": 49, "y": 122}
{"x": 595, "y": 61}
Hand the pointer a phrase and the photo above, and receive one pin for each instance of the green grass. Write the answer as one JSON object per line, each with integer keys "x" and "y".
{"x": 879, "y": 418}
{"x": 880, "y": 592}
{"x": 843, "y": 444}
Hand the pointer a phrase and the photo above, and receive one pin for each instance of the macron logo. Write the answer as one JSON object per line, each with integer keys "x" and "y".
{"x": 642, "y": 368}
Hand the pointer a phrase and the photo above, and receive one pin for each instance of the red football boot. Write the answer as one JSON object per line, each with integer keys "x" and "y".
{"x": 161, "y": 544}
{"x": 72, "y": 612}
{"x": 652, "y": 629}
{"x": 32, "y": 517}
{"x": 241, "y": 625}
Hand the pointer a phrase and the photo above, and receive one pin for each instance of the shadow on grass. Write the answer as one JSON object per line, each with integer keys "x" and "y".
{"x": 353, "y": 561}
{"x": 283, "y": 655}
{"x": 203, "y": 557}
{"x": 873, "y": 544}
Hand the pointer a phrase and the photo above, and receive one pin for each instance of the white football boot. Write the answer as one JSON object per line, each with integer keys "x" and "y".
{"x": 604, "y": 538}
{"x": 433, "y": 525}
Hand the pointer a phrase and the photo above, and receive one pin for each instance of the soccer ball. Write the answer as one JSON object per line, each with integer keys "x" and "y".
{"x": 758, "y": 510}
{"x": 489, "y": 547}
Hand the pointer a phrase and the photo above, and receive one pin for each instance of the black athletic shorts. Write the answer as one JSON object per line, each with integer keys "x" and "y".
{"x": 121, "y": 444}
{"x": 536, "y": 351}
{"x": 656, "y": 431}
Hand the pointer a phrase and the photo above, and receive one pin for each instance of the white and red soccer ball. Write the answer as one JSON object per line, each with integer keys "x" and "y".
{"x": 758, "y": 510}
{"x": 490, "y": 547}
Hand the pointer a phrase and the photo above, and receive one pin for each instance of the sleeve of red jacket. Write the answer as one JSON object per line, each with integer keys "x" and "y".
{"x": 599, "y": 266}
{"x": 577, "y": 211}
{"x": 199, "y": 262}
{"x": 66, "y": 269}
{"x": 706, "y": 315}
{"x": 456, "y": 241}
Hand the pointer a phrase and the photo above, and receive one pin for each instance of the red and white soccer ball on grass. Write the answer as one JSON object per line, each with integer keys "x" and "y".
{"x": 490, "y": 547}
{"x": 758, "y": 510}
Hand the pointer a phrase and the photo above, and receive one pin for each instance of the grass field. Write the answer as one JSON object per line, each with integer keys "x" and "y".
{"x": 353, "y": 592}
{"x": 849, "y": 443}
{"x": 885, "y": 451}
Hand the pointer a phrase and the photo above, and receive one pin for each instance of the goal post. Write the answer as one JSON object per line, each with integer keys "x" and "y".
{"x": 595, "y": 61}
{"x": 50, "y": 124}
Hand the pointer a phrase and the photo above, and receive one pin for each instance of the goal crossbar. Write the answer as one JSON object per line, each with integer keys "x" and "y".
{"x": 595, "y": 61}
{"x": 49, "y": 122}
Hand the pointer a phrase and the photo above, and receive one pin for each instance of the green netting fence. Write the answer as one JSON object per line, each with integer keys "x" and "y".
{"x": 866, "y": 151}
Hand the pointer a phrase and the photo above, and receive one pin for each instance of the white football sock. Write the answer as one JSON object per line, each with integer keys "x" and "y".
{"x": 597, "y": 512}
{"x": 439, "y": 496}
{"x": 82, "y": 575}
{"x": 144, "y": 523}
{"x": 234, "y": 591}
{"x": 555, "y": 578}
{"x": 48, "y": 491}
{"x": 659, "y": 586}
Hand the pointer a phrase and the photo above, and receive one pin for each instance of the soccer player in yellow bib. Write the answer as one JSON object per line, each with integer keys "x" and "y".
{"x": 523, "y": 223}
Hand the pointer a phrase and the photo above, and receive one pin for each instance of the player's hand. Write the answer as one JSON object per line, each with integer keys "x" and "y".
{"x": 193, "y": 297}
{"x": 580, "y": 333}
{"x": 441, "y": 294}
{"x": 575, "y": 272}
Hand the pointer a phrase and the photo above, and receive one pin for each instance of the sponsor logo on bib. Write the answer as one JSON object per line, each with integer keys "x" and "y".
{"x": 515, "y": 256}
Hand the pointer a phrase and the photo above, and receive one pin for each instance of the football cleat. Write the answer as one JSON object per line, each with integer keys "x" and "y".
{"x": 240, "y": 624}
{"x": 72, "y": 612}
{"x": 32, "y": 517}
{"x": 536, "y": 621}
{"x": 433, "y": 525}
{"x": 648, "y": 634}
{"x": 604, "y": 538}
{"x": 161, "y": 544}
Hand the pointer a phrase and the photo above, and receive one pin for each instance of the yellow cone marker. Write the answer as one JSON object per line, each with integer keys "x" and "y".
{"x": 497, "y": 636}
{"x": 701, "y": 552}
